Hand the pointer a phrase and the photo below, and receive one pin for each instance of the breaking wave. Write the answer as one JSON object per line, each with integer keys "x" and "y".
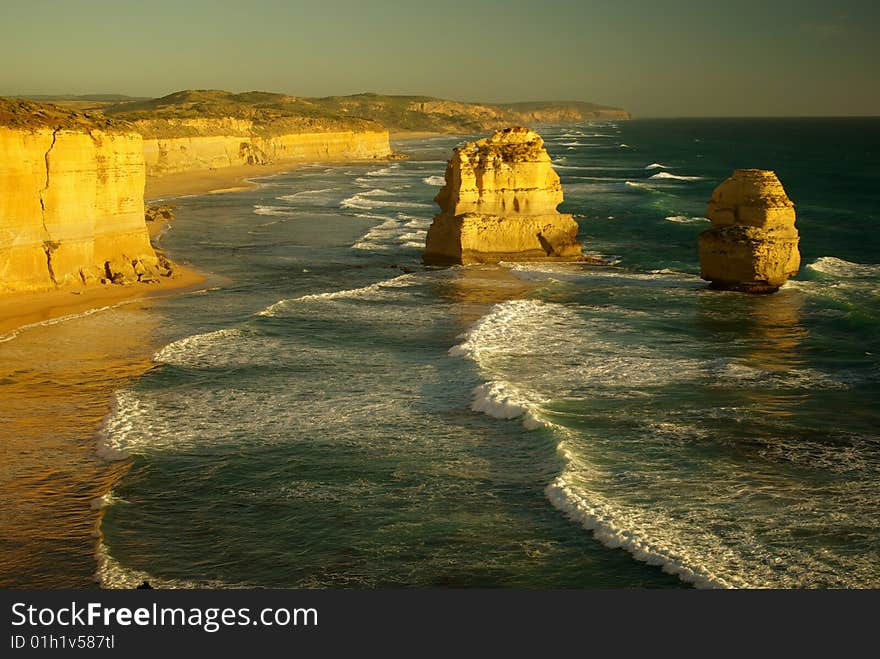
{"x": 684, "y": 219}
{"x": 675, "y": 177}
{"x": 831, "y": 265}
{"x": 377, "y": 198}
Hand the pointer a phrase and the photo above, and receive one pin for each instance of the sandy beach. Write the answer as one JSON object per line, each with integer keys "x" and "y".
{"x": 205, "y": 181}
{"x": 21, "y": 310}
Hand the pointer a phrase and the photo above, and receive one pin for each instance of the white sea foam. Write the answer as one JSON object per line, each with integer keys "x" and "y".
{"x": 274, "y": 211}
{"x": 105, "y": 501}
{"x": 180, "y": 353}
{"x": 124, "y": 413}
{"x": 383, "y": 236}
{"x": 558, "y": 351}
{"x": 792, "y": 378}
{"x": 435, "y": 180}
{"x": 320, "y": 196}
{"x": 536, "y": 357}
{"x": 675, "y": 177}
{"x": 656, "y": 165}
{"x": 372, "y": 291}
{"x": 413, "y": 222}
{"x": 609, "y": 526}
{"x": 60, "y": 319}
{"x": 574, "y": 271}
{"x": 110, "y": 573}
{"x": 684, "y": 219}
{"x": 831, "y": 265}
{"x": 377, "y": 198}
{"x": 502, "y": 400}
{"x": 384, "y": 171}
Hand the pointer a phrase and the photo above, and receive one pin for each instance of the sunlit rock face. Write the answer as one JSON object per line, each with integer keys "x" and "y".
{"x": 184, "y": 145}
{"x": 499, "y": 204}
{"x": 72, "y": 208}
{"x": 753, "y": 244}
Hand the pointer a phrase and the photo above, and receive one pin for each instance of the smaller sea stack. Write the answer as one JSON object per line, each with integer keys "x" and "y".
{"x": 499, "y": 204}
{"x": 753, "y": 244}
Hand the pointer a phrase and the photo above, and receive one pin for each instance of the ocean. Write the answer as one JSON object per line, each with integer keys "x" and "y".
{"x": 327, "y": 412}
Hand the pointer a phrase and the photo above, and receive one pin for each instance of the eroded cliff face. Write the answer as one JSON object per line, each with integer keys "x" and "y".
{"x": 753, "y": 243}
{"x": 499, "y": 204}
{"x": 71, "y": 208}
{"x": 197, "y": 144}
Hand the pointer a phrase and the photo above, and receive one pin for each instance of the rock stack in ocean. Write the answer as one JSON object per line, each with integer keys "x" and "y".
{"x": 753, "y": 244}
{"x": 499, "y": 204}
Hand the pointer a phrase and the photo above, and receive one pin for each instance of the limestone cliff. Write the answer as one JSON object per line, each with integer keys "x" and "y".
{"x": 71, "y": 200}
{"x": 499, "y": 204}
{"x": 753, "y": 243}
{"x": 179, "y": 145}
{"x": 561, "y": 112}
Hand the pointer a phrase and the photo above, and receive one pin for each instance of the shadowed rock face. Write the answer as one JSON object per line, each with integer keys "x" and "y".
{"x": 753, "y": 244}
{"x": 499, "y": 204}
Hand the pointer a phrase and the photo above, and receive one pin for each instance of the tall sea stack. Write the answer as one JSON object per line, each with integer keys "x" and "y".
{"x": 753, "y": 244}
{"x": 499, "y": 204}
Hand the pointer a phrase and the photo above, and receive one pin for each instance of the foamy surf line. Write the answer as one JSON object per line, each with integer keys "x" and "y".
{"x": 831, "y": 265}
{"x": 60, "y": 319}
{"x": 377, "y": 198}
{"x": 501, "y": 400}
{"x": 675, "y": 177}
{"x": 111, "y": 574}
{"x": 366, "y": 292}
{"x": 614, "y": 536}
{"x": 496, "y": 397}
{"x": 684, "y": 219}
{"x": 483, "y": 344}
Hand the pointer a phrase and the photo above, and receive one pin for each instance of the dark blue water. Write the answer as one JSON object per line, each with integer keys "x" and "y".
{"x": 332, "y": 414}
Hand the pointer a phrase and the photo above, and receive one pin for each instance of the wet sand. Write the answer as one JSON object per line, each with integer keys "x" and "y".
{"x": 23, "y": 311}
{"x": 206, "y": 181}
{"x": 56, "y": 384}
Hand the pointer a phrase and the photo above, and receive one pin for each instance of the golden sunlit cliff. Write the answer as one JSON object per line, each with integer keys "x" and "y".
{"x": 71, "y": 200}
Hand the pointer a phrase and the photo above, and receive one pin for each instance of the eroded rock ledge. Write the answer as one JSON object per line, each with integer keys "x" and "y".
{"x": 499, "y": 204}
{"x": 753, "y": 243}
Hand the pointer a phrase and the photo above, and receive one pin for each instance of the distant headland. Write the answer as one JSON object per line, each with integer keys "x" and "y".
{"x": 395, "y": 113}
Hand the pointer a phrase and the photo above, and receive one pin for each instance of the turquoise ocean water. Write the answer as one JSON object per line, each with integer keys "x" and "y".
{"x": 330, "y": 413}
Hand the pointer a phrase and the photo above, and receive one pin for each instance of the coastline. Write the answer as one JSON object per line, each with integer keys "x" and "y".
{"x": 22, "y": 310}
{"x": 75, "y": 374}
{"x": 211, "y": 181}
{"x": 18, "y": 310}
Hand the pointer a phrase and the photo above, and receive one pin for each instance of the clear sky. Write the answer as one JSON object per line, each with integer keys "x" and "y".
{"x": 655, "y": 58}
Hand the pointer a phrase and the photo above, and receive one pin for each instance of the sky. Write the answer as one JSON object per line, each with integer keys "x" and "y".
{"x": 654, "y": 58}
